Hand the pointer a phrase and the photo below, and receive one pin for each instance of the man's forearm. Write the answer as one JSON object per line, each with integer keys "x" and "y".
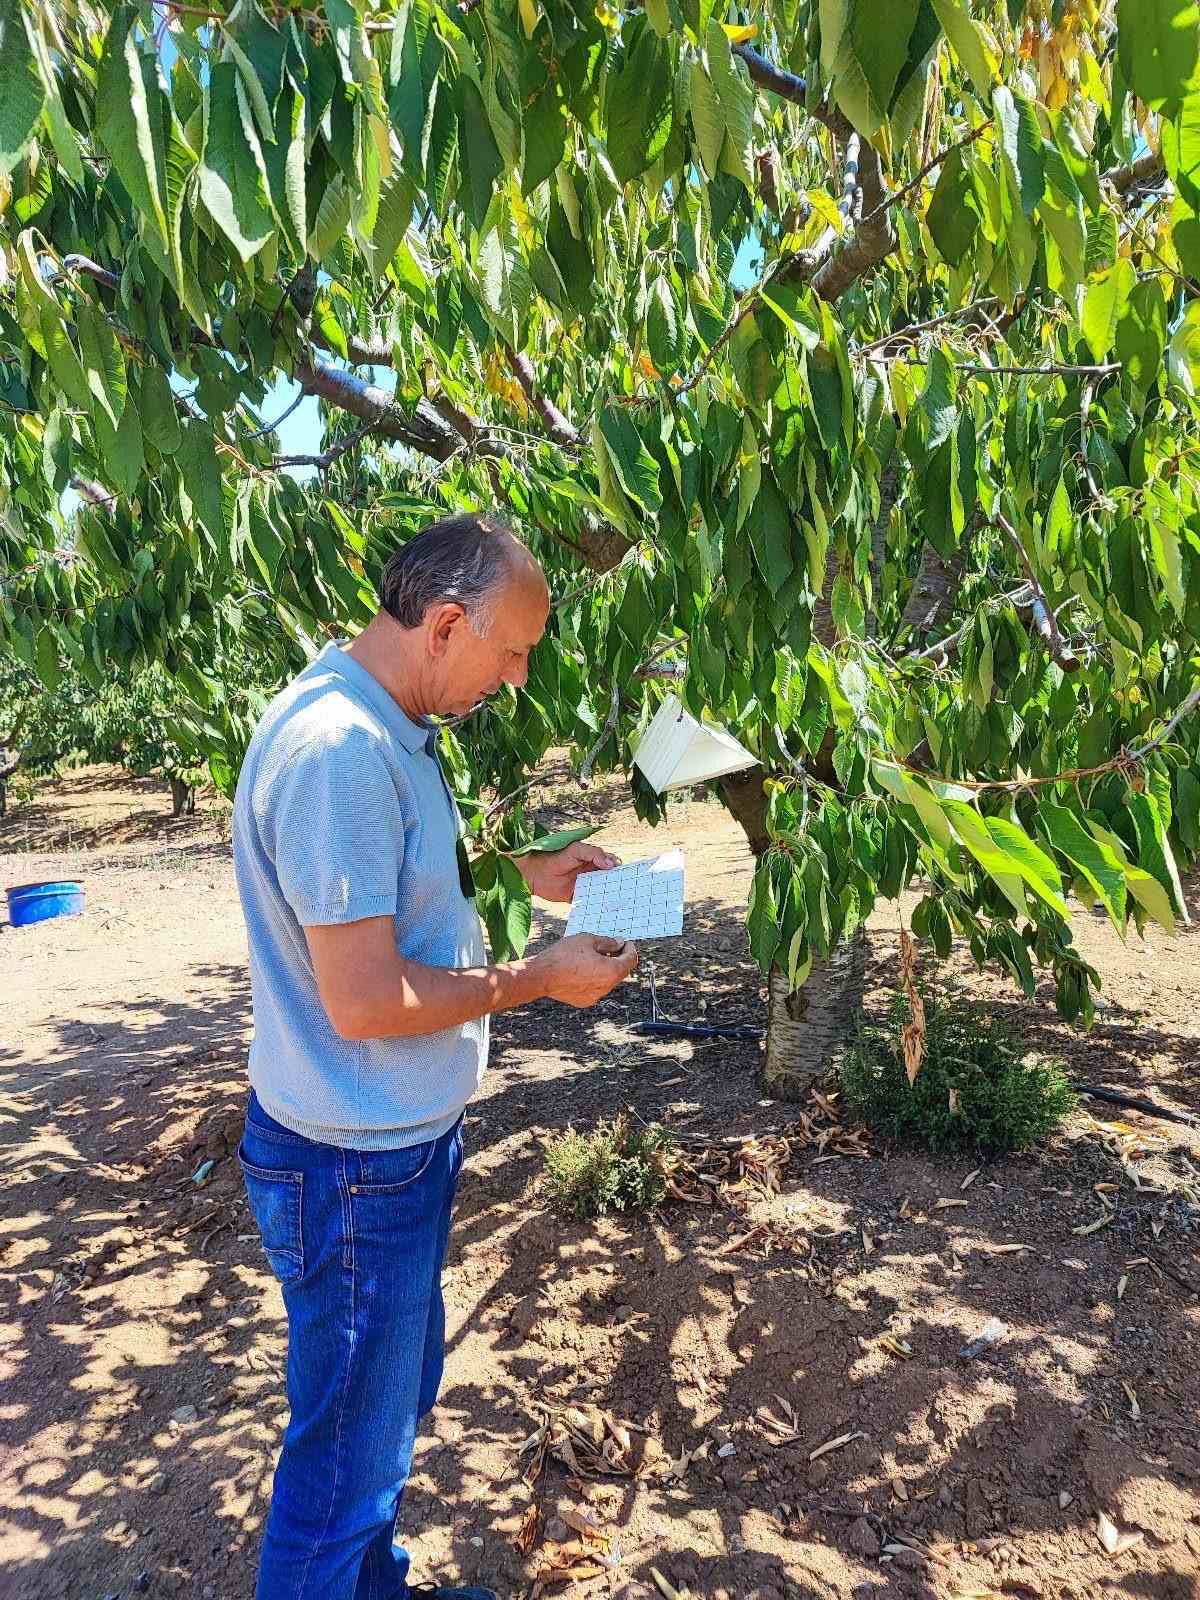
{"x": 408, "y": 998}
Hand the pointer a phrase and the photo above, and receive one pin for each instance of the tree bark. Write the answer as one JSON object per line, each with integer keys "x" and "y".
{"x": 183, "y": 798}
{"x": 934, "y": 590}
{"x": 806, "y": 1025}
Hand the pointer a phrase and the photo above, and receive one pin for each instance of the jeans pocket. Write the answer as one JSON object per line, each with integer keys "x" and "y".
{"x": 275, "y": 1199}
{"x": 386, "y": 1172}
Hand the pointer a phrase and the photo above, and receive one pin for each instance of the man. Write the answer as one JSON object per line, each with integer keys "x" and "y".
{"x": 372, "y": 994}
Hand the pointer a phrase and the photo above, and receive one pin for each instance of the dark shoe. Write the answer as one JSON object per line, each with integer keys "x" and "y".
{"x": 435, "y": 1591}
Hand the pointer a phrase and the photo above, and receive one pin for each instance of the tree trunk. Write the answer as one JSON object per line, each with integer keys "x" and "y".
{"x": 8, "y": 765}
{"x": 183, "y": 798}
{"x": 805, "y": 1026}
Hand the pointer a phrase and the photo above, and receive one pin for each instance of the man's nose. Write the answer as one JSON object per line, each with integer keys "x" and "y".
{"x": 518, "y": 676}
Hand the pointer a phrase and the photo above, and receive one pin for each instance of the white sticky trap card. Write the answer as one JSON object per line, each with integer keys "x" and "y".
{"x": 677, "y": 751}
{"x": 643, "y": 900}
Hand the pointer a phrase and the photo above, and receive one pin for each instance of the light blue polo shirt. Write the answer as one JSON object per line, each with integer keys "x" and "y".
{"x": 342, "y": 812}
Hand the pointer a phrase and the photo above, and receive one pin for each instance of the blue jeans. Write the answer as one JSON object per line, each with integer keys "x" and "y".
{"x": 356, "y": 1239}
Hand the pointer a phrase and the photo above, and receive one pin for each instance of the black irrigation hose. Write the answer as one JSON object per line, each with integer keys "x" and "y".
{"x": 1146, "y": 1107}
{"x": 692, "y": 1030}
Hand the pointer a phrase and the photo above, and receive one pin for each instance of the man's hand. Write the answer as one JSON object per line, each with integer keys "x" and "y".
{"x": 584, "y": 968}
{"x": 552, "y": 877}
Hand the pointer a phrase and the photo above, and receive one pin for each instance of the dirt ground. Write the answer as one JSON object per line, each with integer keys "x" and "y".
{"x": 142, "y": 1338}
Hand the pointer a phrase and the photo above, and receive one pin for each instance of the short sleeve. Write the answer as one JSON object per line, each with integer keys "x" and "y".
{"x": 335, "y": 831}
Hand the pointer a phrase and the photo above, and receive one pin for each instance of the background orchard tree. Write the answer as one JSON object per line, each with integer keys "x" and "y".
{"x": 838, "y": 360}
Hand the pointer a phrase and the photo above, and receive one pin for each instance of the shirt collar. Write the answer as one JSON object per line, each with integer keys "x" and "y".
{"x": 414, "y": 736}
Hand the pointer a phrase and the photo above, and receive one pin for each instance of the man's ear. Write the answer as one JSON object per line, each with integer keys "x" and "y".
{"x": 441, "y": 624}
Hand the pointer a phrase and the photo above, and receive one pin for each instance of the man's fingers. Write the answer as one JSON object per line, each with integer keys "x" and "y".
{"x": 593, "y": 859}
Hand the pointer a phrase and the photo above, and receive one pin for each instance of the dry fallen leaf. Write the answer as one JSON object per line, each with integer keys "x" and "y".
{"x": 834, "y": 1444}
{"x": 970, "y": 1178}
{"x": 1094, "y": 1227}
{"x": 667, "y": 1590}
{"x": 1135, "y": 1410}
{"x": 1008, "y": 1249}
{"x": 1122, "y": 1284}
{"x": 1115, "y": 1542}
{"x": 868, "y": 1242}
{"x": 1065, "y": 1498}
{"x": 899, "y": 1490}
{"x": 527, "y": 1533}
{"x": 898, "y": 1347}
{"x": 945, "y": 1205}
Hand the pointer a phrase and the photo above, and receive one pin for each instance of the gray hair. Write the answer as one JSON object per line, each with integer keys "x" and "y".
{"x": 464, "y": 559}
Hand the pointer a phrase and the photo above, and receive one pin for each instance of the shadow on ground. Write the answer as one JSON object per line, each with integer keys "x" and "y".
{"x": 144, "y": 1337}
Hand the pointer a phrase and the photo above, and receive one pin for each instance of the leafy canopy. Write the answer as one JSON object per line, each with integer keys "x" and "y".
{"x": 839, "y": 360}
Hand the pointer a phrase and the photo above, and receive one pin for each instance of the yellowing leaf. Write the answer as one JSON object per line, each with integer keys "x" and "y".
{"x": 740, "y": 33}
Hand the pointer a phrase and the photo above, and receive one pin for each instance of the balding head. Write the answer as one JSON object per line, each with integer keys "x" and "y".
{"x": 465, "y": 560}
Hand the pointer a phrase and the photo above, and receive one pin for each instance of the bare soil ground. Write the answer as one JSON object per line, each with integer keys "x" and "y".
{"x": 142, "y": 1338}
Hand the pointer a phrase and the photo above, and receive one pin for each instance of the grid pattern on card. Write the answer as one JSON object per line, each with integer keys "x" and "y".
{"x": 641, "y": 901}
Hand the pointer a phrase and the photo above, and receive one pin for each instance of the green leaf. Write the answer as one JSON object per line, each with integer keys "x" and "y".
{"x": 1152, "y": 897}
{"x": 1142, "y": 333}
{"x": 635, "y": 467}
{"x": 708, "y": 119}
{"x": 103, "y": 361}
{"x": 21, "y": 92}
{"x": 762, "y": 919}
{"x": 1021, "y": 142}
{"x": 1155, "y": 855}
{"x": 480, "y": 155}
{"x": 62, "y": 135}
{"x": 545, "y": 138}
{"x": 970, "y": 43}
{"x": 332, "y": 219}
{"x": 951, "y": 220}
{"x": 1104, "y": 304}
{"x": 549, "y": 842}
{"x": 508, "y": 911}
{"x": 638, "y": 94}
{"x": 1099, "y": 866}
{"x": 200, "y": 481}
{"x": 287, "y": 177}
{"x": 120, "y": 448}
{"x": 124, "y": 123}
{"x": 1157, "y": 47}
{"x": 768, "y": 528}
{"x": 665, "y": 332}
{"x": 1034, "y": 865}
{"x": 995, "y": 861}
{"x": 938, "y": 398}
{"x": 871, "y": 49}
{"x": 231, "y": 184}
{"x": 737, "y": 99}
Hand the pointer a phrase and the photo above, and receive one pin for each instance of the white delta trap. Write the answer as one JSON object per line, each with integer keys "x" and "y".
{"x": 676, "y": 751}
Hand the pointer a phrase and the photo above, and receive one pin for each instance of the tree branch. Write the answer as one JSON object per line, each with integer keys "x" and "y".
{"x": 88, "y": 268}
{"x": 557, "y": 426}
{"x": 326, "y": 459}
{"x": 872, "y": 241}
{"x": 610, "y": 723}
{"x": 913, "y": 329}
{"x": 1147, "y": 171}
{"x": 1044, "y": 619}
{"x": 423, "y": 431}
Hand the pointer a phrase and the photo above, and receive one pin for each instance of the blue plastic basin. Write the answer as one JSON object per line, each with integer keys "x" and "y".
{"x": 38, "y": 902}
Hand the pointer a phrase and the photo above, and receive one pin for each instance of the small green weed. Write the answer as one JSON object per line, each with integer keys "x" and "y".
{"x": 616, "y": 1167}
{"x": 976, "y": 1088}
